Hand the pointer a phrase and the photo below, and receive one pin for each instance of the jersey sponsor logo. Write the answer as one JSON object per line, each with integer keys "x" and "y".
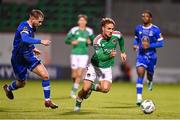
{"x": 77, "y": 33}
{"x": 145, "y": 32}
{"x": 81, "y": 39}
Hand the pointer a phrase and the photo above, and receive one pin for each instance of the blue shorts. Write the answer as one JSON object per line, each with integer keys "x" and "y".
{"x": 21, "y": 63}
{"x": 147, "y": 61}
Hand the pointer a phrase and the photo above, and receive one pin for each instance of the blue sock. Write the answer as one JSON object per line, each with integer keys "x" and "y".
{"x": 46, "y": 88}
{"x": 139, "y": 85}
{"x": 12, "y": 86}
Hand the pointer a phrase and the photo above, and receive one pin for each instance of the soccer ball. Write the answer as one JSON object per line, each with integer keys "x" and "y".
{"x": 147, "y": 106}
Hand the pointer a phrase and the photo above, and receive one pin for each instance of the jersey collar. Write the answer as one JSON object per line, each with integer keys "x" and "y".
{"x": 29, "y": 25}
{"x": 147, "y": 27}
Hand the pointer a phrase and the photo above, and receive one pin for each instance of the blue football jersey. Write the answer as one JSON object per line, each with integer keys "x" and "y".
{"x": 20, "y": 47}
{"x": 151, "y": 34}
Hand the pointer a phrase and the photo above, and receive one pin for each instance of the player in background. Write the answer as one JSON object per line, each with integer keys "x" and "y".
{"x": 24, "y": 57}
{"x": 147, "y": 38}
{"x": 79, "y": 37}
{"x": 102, "y": 61}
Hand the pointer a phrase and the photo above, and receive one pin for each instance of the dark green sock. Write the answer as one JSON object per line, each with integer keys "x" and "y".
{"x": 94, "y": 87}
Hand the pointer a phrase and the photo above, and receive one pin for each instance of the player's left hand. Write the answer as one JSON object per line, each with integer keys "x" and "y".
{"x": 123, "y": 57}
{"x": 88, "y": 41}
{"x": 37, "y": 52}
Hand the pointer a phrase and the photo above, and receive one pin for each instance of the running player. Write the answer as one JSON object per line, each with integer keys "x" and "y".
{"x": 79, "y": 37}
{"x": 102, "y": 61}
{"x": 147, "y": 38}
{"x": 24, "y": 57}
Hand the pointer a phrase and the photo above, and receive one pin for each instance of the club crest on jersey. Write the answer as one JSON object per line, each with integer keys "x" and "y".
{"x": 25, "y": 28}
{"x": 151, "y": 33}
{"x": 114, "y": 41}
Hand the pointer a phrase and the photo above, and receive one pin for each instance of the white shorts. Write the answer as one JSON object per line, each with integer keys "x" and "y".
{"x": 79, "y": 61}
{"x": 100, "y": 74}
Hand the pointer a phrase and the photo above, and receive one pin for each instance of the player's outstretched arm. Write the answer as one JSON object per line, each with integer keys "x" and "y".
{"x": 27, "y": 39}
{"x": 157, "y": 44}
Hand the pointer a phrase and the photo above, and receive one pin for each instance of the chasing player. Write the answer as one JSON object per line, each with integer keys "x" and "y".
{"x": 102, "y": 61}
{"x": 147, "y": 38}
{"x": 79, "y": 37}
{"x": 24, "y": 57}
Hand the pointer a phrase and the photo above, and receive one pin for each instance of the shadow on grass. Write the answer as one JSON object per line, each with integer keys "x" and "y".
{"x": 55, "y": 98}
{"x": 121, "y": 107}
{"x": 61, "y": 98}
{"x": 77, "y": 113}
{"x": 18, "y": 110}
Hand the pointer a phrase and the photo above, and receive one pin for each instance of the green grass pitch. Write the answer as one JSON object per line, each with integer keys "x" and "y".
{"x": 119, "y": 103}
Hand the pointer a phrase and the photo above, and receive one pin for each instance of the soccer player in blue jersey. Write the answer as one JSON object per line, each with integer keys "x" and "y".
{"x": 147, "y": 38}
{"x": 24, "y": 57}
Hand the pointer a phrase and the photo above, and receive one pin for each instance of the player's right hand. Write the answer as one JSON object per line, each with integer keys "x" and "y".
{"x": 135, "y": 47}
{"x": 113, "y": 53}
{"x": 46, "y": 42}
{"x": 75, "y": 42}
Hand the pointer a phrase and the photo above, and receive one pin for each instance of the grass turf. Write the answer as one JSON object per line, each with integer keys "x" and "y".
{"x": 119, "y": 103}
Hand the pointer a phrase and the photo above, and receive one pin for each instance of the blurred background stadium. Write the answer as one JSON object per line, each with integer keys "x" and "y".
{"x": 61, "y": 15}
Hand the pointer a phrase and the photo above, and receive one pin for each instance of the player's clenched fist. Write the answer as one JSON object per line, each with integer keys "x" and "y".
{"x": 113, "y": 53}
{"x": 75, "y": 42}
{"x": 123, "y": 57}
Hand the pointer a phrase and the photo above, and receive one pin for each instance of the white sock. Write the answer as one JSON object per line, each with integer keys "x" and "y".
{"x": 139, "y": 96}
{"x": 76, "y": 85}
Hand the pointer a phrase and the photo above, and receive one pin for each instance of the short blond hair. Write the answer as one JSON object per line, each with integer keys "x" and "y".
{"x": 106, "y": 20}
{"x": 36, "y": 13}
{"x": 82, "y": 16}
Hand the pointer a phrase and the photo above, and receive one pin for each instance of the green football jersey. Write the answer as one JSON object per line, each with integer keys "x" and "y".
{"x": 103, "y": 47}
{"x": 82, "y": 36}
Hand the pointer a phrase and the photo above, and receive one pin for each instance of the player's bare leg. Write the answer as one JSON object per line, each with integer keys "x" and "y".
{"x": 103, "y": 86}
{"x": 42, "y": 72}
{"x": 139, "y": 84}
{"x": 78, "y": 78}
{"x": 150, "y": 81}
{"x": 75, "y": 86}
{"x": 82, "y": 94}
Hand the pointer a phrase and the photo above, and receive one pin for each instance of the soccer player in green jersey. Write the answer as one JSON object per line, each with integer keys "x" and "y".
{"x": 102, "y": 61}
{"x": 79, "y": 37}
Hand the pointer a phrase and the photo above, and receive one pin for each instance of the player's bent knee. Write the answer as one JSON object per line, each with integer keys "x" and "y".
{"x": 85, "y": 89}
{"x": 45, "y": 76}
{"x": 105, "y": 90}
